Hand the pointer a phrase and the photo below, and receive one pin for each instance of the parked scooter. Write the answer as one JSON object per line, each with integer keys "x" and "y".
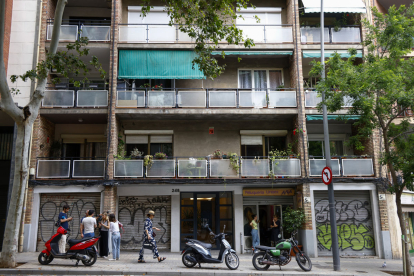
{"x": 199, "y": 252}
{"x": 80, "y": 250}
{"x": 280, "y": 255}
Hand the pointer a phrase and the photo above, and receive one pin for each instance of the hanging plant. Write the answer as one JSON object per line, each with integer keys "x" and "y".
{"x": 121, "y": 152}
{"x": 234, "y": 161}
{"x": 148, "y": 161}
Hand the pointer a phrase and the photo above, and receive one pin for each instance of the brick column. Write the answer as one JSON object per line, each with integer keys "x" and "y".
{"x": 302, "y": 191}
{"x": 29, "y": 206}
{"x": 109, "y": 201}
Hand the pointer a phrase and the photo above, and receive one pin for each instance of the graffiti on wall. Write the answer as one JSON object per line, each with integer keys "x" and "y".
{"x": 353, "y": 225}
{"x": 132, "y": 213}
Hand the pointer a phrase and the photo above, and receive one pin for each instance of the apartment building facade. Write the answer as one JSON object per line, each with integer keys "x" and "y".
{"x": 248, "y": 142}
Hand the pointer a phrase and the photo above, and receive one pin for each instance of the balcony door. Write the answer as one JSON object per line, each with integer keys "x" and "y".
{"x": 260, "y": 79}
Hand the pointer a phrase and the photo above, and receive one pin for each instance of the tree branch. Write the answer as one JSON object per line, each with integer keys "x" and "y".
{"x": 6, "y": 98}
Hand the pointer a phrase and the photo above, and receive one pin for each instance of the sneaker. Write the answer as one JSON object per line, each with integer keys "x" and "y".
{"x": 117, "y": 259}
{"x": 105, "y": 257}
{"x": 111, "y": 259}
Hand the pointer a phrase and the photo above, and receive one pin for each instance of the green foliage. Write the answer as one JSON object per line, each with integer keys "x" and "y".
{"x": 207, "y": 23}
{"x": 382, "y": 89}
{"x": 148, "y": 161}
{"x": 293, "y": 219}
{"x": 121, "y": 153}
{"x": 234, "y": 161}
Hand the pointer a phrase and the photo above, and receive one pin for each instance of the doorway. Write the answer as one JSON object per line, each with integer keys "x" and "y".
{"x": 198, "y": 210}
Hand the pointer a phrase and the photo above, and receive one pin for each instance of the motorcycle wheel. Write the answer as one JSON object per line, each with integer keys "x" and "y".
{"x": 232, "y": 261}
{"x": 93, "y": 256}
{"x": 44, "y": 259}
{"x": 304, "y": 261}
{"x": 257, "y": 259}
{"x": 186, "y": 262}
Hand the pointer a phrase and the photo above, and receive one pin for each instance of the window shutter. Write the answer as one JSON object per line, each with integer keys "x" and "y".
{"x": 137, "y": 139}
{"x": 251, "y": 140}
{"x": 161, "y": 139}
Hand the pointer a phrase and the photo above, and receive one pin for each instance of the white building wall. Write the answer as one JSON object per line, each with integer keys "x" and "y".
{"x": 22, "y": 45}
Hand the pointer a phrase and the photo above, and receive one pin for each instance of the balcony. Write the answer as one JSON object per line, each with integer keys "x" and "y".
{"x": 72, "y": 98}
{"x": 343, "y": 35}
{"x": 206, "y": 98}
{"x": 312, "y": 99}
{"x": 164, "y": 33}
{"x": 353, "y": 166}
{"x": 65, "y": 168}
{"x": 72, "y": 30}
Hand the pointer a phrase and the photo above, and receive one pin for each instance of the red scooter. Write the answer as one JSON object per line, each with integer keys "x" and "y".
{"x": 81, "y": 250}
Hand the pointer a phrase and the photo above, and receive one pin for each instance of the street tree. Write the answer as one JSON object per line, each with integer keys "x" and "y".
{"x": 207, "y": 22}
{"x": 382, "y": 91}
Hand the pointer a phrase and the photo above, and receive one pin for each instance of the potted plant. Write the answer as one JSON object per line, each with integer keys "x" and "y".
{"x": 160, "y": 156}
{"x": 135, "y": 153}
{"x": 148, "y": 161}
{"x": 292, "y": 220}
{"x": 234, "y": 161}
{"x": 217, "y": 154}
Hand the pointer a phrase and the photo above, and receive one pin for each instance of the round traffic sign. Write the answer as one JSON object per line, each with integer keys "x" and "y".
{"x": 327, "y": 175}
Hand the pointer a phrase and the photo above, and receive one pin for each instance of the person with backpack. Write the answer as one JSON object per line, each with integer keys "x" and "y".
{"x": 115, "y": 237}
{"x": 63, "y": 221}
{"x": 149, "y": 238}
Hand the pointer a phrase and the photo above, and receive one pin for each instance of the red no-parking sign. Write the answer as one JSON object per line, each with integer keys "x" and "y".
{"x": 327, "y": 175}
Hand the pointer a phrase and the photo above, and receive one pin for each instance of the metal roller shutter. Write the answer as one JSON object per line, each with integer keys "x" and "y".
{"x": 132, "y": 213}
{"x": 51, "y": 206}
{"x": 268, "y": 200}
{"x": 354, "y": 223}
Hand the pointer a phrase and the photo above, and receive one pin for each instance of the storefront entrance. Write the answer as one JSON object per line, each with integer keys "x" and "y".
{"x": 200, "y": 209}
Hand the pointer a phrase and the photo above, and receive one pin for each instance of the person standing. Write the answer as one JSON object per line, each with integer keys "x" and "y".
{"x": 255, "y": 233}
{"x": 115, "y": 237}
{"x": 275, "y": 228}
{"x": 64, "y": 222}
{"x": 103, "y": 241}
{"x": 149, "y": 238}
{"x": 88, "y": 225}
{"x": 80, "y": 224}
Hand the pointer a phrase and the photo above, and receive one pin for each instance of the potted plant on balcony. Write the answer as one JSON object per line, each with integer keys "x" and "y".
{"x": 217, "y": 154}
{"x": 148, "y": 161}
{"x": 160, "y": 156}
{"x": 234, "y": 161}
{"x": 121, "y": 152}
{"x": 135, "y": 153}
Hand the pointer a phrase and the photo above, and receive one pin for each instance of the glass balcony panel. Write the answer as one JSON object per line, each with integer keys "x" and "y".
{"x": 53, "y": 169}
{"x": 161, "y": 98}
{"x": 191, "y": 98}
{"x": 282, "y": 99}
{"x": 276, "y": 34}
{"x": 252, "y": 99}
{"x": 59, "y": 98}
{"x": 133, "y": 34}
{"x": 92, "y": 98}
{"x": 254, "y": 32}
{"x": 129, "y": 168}
{"x": 316, "y": 166}
{"x": 312, "y": 99}
{"x": 131, "y": 99}
{"x": 192, "y": 168}
{"x": 286, "y": 167}
{"x": 346, "y": 35}
{"x": 161, "y": 168}
{"x": 96, "y": 33}
{"x": 348, "y": 101}
{"x": 67, "y": 32}
{"x": 162, "y": 33}
{"x": 183, "y": 37}
{"x": 255, "y": 167}
{"x": 222, "y": 168}
{"x": 313, "y": 34}
{"x": 357, "y": 167}
{"x": 88, "y": 168}
{"x": 222, "y": 98}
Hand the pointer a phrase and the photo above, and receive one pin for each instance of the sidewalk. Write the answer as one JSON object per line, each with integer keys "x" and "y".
{"x": 128, "y": 265}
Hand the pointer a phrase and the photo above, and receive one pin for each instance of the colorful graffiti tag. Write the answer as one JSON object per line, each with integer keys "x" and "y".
{"x": 353, "y": 225}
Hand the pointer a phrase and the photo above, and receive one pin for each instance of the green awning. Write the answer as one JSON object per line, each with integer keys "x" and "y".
{"x": 251, "y": 53}
{"x": 331, "y": 117}
{"x": 328, "y": 53}
{"x": 157, "y": 64}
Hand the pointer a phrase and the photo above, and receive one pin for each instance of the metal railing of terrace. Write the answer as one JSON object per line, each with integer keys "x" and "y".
{"x": 347, "y": 166}
{"x": 344, "y": 34}
{"x": 312, "y": 99}
{"x": 70, "y": 167}
{"x": 73, "y": 29}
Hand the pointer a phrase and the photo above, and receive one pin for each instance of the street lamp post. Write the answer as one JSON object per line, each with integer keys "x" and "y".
{"x": 332, "y": 210}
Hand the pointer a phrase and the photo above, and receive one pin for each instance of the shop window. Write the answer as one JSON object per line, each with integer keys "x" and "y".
{"x": 317, "y": 148}
{"x": 260, "y": 79}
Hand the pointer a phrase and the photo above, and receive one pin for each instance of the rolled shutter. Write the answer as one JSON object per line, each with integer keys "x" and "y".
{"x": 251, "y": 140}
{"x": 161, "y": 139}
{"x": 137, "y": 139}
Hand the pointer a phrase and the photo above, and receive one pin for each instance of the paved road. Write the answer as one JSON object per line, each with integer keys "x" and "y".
{"x": 128, "y": 265}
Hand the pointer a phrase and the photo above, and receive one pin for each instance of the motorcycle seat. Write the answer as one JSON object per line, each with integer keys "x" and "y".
{"x": 73, "y": 241}
{"x": 260, "y": 247}
{"x": 206, "y": 245}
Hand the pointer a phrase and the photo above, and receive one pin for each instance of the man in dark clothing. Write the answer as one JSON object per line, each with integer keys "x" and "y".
{"x": 275, "y": 228}
{"x": 64, "y": 222}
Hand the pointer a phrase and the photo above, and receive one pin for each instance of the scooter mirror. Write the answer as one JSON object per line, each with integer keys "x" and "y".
{"x": 224, "y": 228}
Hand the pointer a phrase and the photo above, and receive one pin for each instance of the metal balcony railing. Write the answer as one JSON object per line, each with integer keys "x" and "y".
{"x": 72, "y": 30}
{"x": 206, "y": 98}
{"x": 70, "y": 167}
{"x": 312, "y": 99}
{"x": 164, "y": 33}
{"x": 356, "y": 166}
{"x": 345, "y": 34}
{"x": 63, "y": 96}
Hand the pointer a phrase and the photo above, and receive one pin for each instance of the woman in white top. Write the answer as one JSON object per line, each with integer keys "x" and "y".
{"x": 116, "y": 237}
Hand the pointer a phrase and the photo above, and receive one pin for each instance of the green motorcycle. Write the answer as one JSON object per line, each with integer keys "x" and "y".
{"x": 281, "y": 255}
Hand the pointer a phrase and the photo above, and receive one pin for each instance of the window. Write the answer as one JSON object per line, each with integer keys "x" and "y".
{"x": 253, "y": 145}
{"x": 150, "y": 144}
{"x": 267, "y": 16}
{"x": 260, "y": 79}
{"x": 157, "y": 15}
{"x": 317, "y": 148}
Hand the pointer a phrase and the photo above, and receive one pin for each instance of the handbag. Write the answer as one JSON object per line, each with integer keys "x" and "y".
{"x": 154, "y": 235}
